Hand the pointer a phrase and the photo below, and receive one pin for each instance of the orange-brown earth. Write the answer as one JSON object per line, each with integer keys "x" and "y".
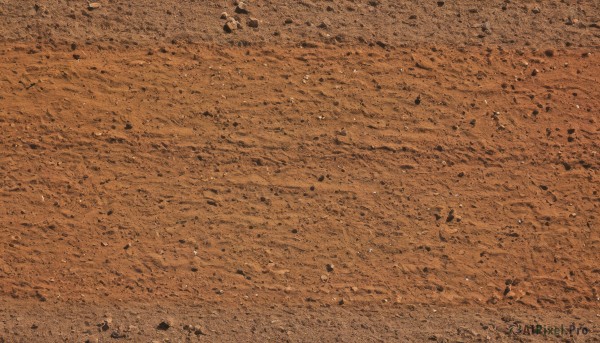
{"x": 401, "y": 173}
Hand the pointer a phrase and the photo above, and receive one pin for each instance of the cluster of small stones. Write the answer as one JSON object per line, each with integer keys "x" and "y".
{"x": 233, "y": 23}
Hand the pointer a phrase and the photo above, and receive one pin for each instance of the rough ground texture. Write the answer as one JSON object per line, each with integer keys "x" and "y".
{"x": 349, "y": 170}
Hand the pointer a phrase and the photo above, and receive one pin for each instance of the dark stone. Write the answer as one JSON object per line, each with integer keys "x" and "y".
{"x": 163, "y": 326}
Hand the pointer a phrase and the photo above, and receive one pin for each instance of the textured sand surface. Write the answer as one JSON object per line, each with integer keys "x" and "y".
{"x": 349, "y": 170}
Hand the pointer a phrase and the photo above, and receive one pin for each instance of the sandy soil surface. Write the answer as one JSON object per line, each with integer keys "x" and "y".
{"x": 345, "y": 171}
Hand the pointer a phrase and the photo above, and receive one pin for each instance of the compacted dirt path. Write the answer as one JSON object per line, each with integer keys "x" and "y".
{"x": 352, "y": 171}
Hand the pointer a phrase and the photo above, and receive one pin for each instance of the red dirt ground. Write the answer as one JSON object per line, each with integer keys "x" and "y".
{"x": 407, "y": 171}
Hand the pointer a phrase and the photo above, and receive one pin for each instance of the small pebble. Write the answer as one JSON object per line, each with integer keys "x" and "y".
{"x": 252, "y": 22}
{"x": 164, "y": 325}
{"x": 94, "y": 6}
{"x": 241, "y": 8}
